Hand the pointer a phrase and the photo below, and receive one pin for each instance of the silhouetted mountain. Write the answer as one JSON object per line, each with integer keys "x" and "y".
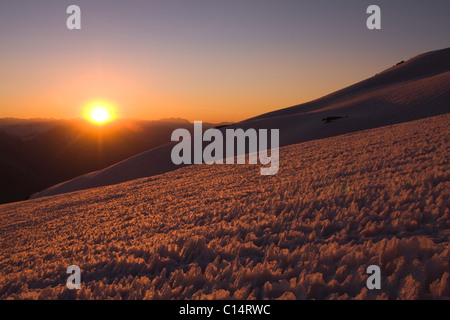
{"x": 39, "y": 153}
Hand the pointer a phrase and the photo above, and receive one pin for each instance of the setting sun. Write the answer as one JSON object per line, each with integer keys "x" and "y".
{"x": 99, "y": 114}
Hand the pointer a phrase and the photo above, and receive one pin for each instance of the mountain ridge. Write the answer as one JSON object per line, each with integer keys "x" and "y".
{"x": 424, "y": 64}
{"x": 39, "y": 153}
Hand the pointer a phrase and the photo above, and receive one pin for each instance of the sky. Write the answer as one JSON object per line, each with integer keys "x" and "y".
{"x": 208, "y": 60}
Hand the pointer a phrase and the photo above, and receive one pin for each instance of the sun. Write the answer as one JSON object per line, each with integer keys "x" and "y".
{"x": 99, "y": 113}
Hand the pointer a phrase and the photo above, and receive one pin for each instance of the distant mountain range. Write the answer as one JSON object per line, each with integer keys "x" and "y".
{"x": 411, "y": 90}
{"x": 39, "y": 153}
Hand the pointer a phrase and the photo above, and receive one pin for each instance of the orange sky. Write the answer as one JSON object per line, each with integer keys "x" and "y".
{"x": 223, "y": 62}
{"x": 63, "y": 91}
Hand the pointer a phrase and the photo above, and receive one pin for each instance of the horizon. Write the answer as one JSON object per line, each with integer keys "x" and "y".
{"x": 214, "y": 62}
{"x": 84, "y": 119}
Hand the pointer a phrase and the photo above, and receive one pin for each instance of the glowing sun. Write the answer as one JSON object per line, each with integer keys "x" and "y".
{"x": 99, "y": 114}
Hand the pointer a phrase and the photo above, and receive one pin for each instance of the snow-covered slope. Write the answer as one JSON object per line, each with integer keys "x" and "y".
{"x": 336, "y": 206}
{"x": 416, "y": 89}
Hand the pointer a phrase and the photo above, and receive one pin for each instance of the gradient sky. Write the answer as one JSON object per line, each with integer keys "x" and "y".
{"x": 210, "y": 60}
